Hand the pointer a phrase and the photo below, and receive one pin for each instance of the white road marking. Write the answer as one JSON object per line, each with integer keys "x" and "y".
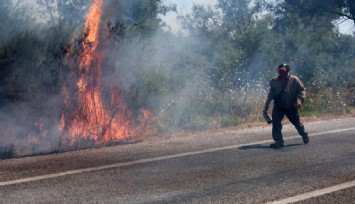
{"x": 142, "y": 161}
{"x": 315, "y": 193}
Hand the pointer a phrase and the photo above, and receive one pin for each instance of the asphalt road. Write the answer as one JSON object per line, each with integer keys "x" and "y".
{"x": 226, "y": 166}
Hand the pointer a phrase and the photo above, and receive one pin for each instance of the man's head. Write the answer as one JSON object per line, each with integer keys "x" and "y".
{"x": 283, "y": 69}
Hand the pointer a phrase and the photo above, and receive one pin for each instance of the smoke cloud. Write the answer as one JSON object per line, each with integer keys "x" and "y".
{"x": 153, "y": 68}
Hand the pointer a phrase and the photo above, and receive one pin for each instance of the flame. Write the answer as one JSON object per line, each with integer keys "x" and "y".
{"x": 91, "y": 32}
{"x": 91, "y": 113}
{"x": 92, "y": 24}
{"x": 91, "y": 118}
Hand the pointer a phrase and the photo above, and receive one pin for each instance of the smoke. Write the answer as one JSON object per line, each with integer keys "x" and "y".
{"x": 154, "y": 69}
{"x": 12, "y": 23}
{"x": 168, "y": 74}
{"x": 31, "y": 54}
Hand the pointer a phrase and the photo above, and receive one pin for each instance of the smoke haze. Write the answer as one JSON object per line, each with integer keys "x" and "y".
{"x": 214, "y": 76}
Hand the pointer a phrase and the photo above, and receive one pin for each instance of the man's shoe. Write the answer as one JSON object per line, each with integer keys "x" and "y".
{"x": 305, "y": 138}
{"x": 277, "y": 145}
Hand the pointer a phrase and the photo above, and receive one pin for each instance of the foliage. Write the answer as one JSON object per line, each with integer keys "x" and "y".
{"x": 245, "y": 45}
{"x": 329, "y": 8}
{"x": 326, "y": 101}
{"x": 215, "y": 76}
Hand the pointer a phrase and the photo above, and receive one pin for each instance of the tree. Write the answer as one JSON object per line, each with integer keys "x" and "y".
{"x": 71, "y": 11}
{"x": 332, "y": 8}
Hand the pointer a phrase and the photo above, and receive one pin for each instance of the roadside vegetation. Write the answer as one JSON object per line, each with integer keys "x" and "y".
{"x": 214, "y": 75}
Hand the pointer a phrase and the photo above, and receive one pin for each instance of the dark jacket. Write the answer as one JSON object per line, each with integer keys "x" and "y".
{"x": 294, "y": 91}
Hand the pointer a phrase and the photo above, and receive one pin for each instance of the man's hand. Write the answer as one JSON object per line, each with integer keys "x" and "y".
{"x": 298, "y": 104}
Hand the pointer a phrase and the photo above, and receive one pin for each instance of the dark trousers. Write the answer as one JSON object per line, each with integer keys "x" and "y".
{"x": 292, "y": 115}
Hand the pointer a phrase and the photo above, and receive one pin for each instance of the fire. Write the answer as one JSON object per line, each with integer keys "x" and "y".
{"x": 93, "y": 113}
{"x": 93, "y": 18}
{"x": 90, "y": 117}
{"x": 91, "y": 30}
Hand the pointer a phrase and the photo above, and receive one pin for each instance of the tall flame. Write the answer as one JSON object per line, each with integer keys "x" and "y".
{"x": 92, "y": 118}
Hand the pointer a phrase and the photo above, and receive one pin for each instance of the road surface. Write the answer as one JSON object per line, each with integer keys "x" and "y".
{"x": 226, "y": 166}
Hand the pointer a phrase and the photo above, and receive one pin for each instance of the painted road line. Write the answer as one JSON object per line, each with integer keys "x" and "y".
{"x": 315, "y": 193}
{"x": 142, "y": 161}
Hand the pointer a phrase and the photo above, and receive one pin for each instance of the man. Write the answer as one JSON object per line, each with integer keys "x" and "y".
{"x": 288, "y": 94}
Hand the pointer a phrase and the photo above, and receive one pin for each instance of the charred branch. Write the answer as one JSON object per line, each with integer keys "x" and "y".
{"x": 120, "y": 29}
{"x": 341, "y": 14}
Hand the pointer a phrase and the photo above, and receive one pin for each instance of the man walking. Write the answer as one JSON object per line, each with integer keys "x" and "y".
{"x": 288, "y": 94}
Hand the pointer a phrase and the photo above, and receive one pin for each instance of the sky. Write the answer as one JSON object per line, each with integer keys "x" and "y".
{"x": 347, "y": 27}
{"x": 185, "y": 6}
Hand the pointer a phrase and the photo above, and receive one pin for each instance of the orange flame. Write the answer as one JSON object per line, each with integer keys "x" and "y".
{"x": 91, "y": 119}
{"x": 91, "y": 30}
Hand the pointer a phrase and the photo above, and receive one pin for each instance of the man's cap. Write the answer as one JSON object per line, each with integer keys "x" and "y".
{"x": 283, "y": 67}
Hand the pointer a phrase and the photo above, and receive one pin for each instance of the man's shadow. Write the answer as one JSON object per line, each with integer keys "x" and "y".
{"x": 259, "y": 146}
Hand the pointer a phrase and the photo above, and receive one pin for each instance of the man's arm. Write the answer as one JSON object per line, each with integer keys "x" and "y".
{"x": 301, "y": 93}
{"x": 269, "y": 97}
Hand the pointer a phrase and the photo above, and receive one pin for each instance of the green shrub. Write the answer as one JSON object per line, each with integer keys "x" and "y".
{"x": 325, "y": 101}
